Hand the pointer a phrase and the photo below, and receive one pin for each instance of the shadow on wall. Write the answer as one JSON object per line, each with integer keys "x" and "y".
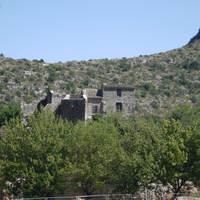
{"x": 42, "y": 103}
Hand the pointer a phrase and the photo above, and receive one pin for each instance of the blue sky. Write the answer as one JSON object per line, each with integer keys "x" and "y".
{"x": 66, "y": 30}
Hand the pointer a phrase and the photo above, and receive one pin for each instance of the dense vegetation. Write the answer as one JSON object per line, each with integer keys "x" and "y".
{"x": 47, "y": 155}
{"x": 9, "y": 111}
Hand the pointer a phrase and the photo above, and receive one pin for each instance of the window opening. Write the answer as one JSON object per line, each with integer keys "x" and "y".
{"x": 94, "y": 109}
{"x": 119, "y": 92}
{"x": 118, "y": 106}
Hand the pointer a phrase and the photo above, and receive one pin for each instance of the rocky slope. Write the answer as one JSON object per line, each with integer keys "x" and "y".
{"x": 161, "y": 80}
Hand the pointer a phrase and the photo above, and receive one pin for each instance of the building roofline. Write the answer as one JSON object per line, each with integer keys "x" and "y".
{"x": 118, "y": 86}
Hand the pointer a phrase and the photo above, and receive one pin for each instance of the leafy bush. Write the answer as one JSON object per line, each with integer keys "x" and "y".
{"x": 167, "y": 93}
{"x": 17, "y": 79}
{"x": 194, "y": 65}
{"x": 155, "y": 104}
{"x": 8, "y": 98}
{"x": 52, "y": 76}
{"x": 18, "y": 93}
{"x": 138, "y": 108}
{"x": 86, "y": 82}
{"x": 115, "y": 80}
{"x": 2, "y": 71}
{"x": 183, "y": 80}
{"x": 123, "y": 65}
{"x": 149, "y": 87}
{"x": 70, "y": 87}
{"x": 8, "y": 111}
{"x": 5, "y": 79}
{"x": 2, "y": 86}
{"x": 91, "y": 73}
{"x": 28, "y": 99}
{"x": 143, "y": 94}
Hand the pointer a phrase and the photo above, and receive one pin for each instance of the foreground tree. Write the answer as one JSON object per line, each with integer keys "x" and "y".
{"x": 95, "y": 153}
{"x": 46, "y": 155}
{"x": 179, "y": 161}
{"x": 33, "y": 157}
{"x": 166, "y": 153}
{"x": 141, "y": 144}
{"x": 9, "y": 111}
{"x": 186, "y": 114}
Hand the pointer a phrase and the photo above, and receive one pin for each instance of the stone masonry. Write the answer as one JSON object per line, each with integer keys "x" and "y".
{"x": 119, "y": 98}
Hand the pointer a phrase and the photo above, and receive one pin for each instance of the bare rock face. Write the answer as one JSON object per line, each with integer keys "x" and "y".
{"x": 196, "y": 37}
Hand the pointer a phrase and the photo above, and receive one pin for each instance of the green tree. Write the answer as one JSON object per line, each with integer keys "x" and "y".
{"x": 141, "y": 144}
{"x": 33, "y": 157}
{"x": 9, "y": 111}
{"x": 177, "y": 156}
{"x": 95, "y": 153}
{"x": 186, "y": 114}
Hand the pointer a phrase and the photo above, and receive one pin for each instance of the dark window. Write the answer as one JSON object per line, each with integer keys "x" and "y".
{"x": 119, "y": 92}
{"x": 94, "y": 109}
{"x": 118, "y": 106}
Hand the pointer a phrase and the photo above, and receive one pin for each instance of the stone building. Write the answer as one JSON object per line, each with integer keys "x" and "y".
{"x": 92, "y": 101}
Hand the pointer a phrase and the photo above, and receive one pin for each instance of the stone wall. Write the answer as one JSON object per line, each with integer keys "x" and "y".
{"x": 28, "y": 109}
{"x": 91, "y": 101}
{"x": 73, "y": 109}
{"x": 54, "y": 99}
{"x": 95, "y": 101}
{"x": 111, "y": 97}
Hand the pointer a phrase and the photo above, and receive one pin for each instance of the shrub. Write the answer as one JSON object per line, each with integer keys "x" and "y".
{"x": 71, "y": 73}
{"x": 31, "y": 78}
{"x": 52, "y": 76}
{"x": 194, "y": 65}
{"x": 2, "y": 71}
{"x": 149, "y": 87}
{"x": 193, "y": 99}
{"x": 86, "y": 82}
{"x": 91, "y": 73}
{"x": 5, "y": 79}
{"x": 17, "y": 79}
{"x": 123, "y": 65}
{"x": 2, "y": 86}
{"x": 143, "y": 94}
{"x": 183, "y": 80}
{"x": 32, "y": 93}
{"x": 18, "y": 93}
{"x": 28, "y": 99}
{"x": 155, "y": 104}
{"x": 8, "y": 98}
{"x": 167, "y": 93}
{"x": 8, "y": 111}
{"x": 138, "y": 108}
{"x": 115, "y": 80}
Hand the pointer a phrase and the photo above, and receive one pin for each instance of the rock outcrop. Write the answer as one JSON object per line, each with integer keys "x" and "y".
{"x": 196, "y": 37}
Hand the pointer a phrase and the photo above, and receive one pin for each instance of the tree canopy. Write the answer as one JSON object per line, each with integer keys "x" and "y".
{"x": 46, "y": 155}
{"x": 95, "y": 152}
{"x": 33, "y": 156}
{"x": 8, "y": 111}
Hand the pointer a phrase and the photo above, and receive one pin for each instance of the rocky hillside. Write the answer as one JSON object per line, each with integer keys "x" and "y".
{"x": 161, "y": 80}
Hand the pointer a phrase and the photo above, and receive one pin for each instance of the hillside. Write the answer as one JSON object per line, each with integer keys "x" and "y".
{"x": 161, "y": 80}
